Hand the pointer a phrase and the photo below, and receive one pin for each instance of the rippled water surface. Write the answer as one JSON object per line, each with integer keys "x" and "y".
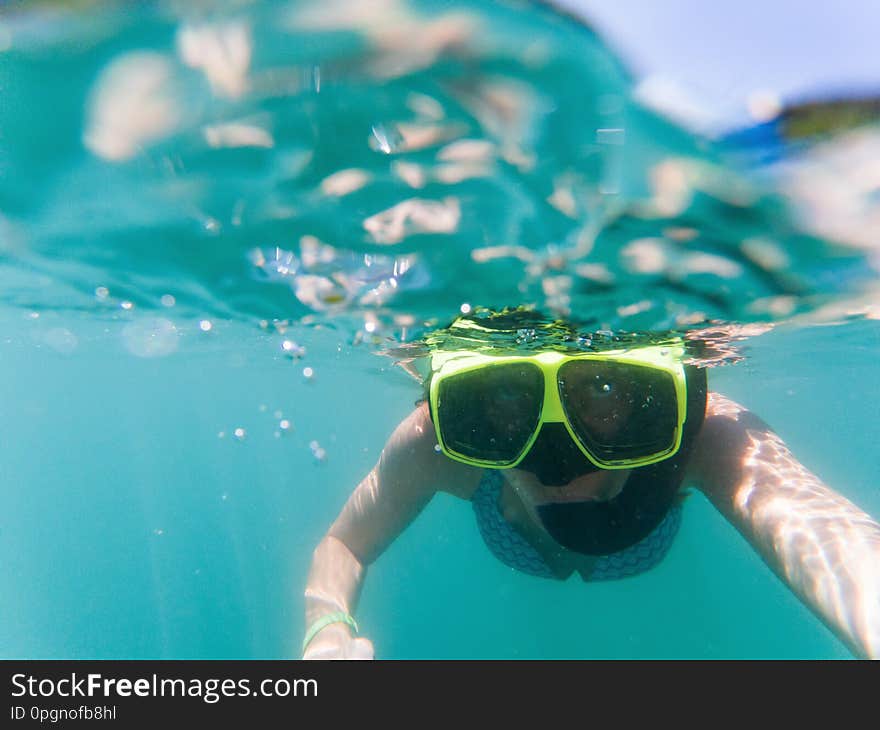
{"x": 214, "y": 216}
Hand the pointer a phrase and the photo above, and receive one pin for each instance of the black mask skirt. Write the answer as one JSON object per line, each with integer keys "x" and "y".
{"x": 602, "y": 528}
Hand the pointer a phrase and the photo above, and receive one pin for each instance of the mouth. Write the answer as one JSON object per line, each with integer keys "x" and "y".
{"x": 572, "y": 499}
{"x": 590, "y": 488}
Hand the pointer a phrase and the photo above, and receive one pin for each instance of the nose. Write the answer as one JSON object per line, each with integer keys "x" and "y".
{"x": 555, "y": 458}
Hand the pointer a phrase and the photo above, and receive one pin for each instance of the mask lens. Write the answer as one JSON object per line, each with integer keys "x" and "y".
{"x": 491, "y": 413}
{"x": 619, "y": 411}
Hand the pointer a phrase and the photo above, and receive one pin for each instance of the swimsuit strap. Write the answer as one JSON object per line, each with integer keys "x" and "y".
{"x": 502, "y": 538}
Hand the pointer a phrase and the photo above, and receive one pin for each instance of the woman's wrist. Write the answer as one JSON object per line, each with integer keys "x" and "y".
{"x": 340, "y": 623}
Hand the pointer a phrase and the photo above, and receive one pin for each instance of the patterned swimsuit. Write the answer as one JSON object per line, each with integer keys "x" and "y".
{"x": 512, "y": 549}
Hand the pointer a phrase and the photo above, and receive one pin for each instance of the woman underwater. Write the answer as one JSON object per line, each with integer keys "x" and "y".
{"x": 575, "y": 460}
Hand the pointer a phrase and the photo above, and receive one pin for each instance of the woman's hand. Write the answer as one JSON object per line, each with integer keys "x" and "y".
{"x": 336, "y": 642}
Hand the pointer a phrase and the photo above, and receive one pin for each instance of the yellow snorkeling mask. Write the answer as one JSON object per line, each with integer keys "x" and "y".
{"x": 622, "y": 408}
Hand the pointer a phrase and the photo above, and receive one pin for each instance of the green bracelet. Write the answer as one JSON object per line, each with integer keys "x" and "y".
{"x": 340, "y": 617}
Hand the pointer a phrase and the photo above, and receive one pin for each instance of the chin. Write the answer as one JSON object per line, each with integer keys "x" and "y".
{"x": 572, "y": 499}
{"x": 593, "y": 488}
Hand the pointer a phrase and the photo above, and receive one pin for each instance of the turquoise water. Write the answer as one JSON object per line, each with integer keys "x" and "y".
{"x": 168, "y": 221}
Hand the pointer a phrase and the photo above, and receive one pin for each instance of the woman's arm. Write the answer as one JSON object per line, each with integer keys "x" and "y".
{"x": 820, "y": 544}
{"x": 408, "y": 474}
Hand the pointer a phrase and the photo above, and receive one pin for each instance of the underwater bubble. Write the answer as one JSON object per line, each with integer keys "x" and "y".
{"x": 61, "y": 340}
{"x": 150, "y": 337}
{"x": 386, "y": 139}
{"x": 292, "y": 349}
{"x": 211, "y": 225}
{"x": 370, "y": 327}
{"x": 240, "y": 433}
{"x": 205, "y": 325}
{"x": 278, "y": 414}
{"x": 317, "y": 451}
{"x": 263, "y": 407}
{"x": 221, "y": 434}
{"x": 168, "y": 300}
{"x": 308, "y": 373}
{"x": 126, "y": 305}
{"x": 436, "y": 448}
{"x": 33, "y": 315}
{"x": 102, "y": 292}
{"x": 284, "y": 424}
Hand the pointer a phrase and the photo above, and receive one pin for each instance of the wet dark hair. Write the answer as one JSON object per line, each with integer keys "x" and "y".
{"x": 523, "y": 330}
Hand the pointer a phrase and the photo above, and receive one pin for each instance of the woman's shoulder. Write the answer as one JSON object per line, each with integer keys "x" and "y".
{"x": 724, "y": 417}
{"x": 728, "y": 434}
{"x": 719, "y": 405}
{"x": 415, "y": 441}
